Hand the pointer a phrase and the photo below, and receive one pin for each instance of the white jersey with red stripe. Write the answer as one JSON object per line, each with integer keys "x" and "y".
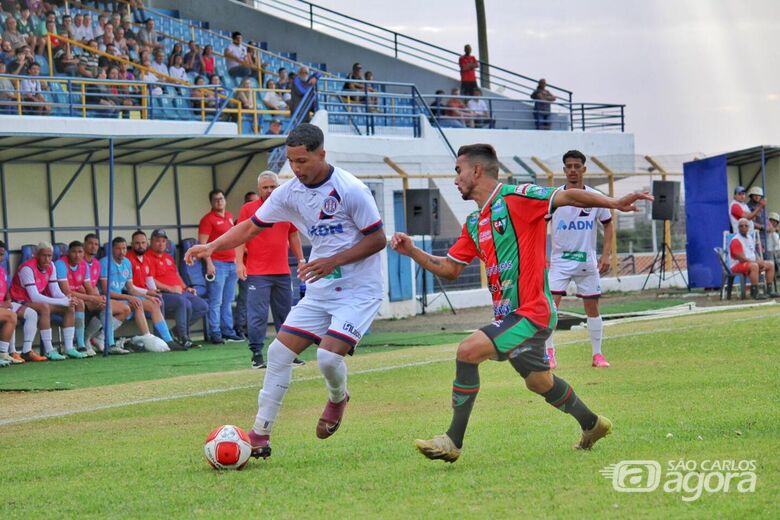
{"x": 574, "y": 236}
{"x": 335, "y": 215}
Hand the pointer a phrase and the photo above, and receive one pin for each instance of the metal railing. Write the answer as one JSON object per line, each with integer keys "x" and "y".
{"x": 398, "y": 45}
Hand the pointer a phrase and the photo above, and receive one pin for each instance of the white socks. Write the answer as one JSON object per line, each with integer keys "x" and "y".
{"x": 596, "y": 330}
{"x": 277, "y": 379}
{"x": 67, "y": 337}
{"x": 3, "y": 347}
{"x": 334, "y": 370}
{"x": 46, "y": 341}
{"x": 29, "y": 329}
{"x": 92, "y": 327}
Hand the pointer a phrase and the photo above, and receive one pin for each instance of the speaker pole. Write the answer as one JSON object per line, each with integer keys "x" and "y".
{"x": 667, "y": 223}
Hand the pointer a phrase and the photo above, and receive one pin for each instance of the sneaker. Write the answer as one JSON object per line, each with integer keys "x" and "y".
{"x": 90, "y": 352}
{"x": 176, "y": 346}
{"x": 298, "y": 362}
{"x": 54, "y": 356}
{"x": 187, "y": 342}
{"x": 32, "y": 356}
{"x": 14, "y": 359}
{"x": 75, "y": 354}
{"x": 261, "y": 445}
{"x": 600, "y": 361}
{"x": 97, "y": 343}
{"x": 331, "y": 418}
{"x": 551, "y": 358}
{"x": 233, "y": 338}
{"x": 258, "y": 361}
{"x": 4, "y": 363}
{"x": 117, "y": 350}
{"x": 216, "y": 340}
{"x": 440, "y": 447}
{"x": 602, "y": 428}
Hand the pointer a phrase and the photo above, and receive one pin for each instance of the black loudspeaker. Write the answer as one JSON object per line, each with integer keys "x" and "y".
{"x": 422, "y": 212}
{"x": 667, "y": 200}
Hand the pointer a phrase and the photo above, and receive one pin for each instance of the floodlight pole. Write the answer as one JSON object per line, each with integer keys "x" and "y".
{"x": 107, "y": 314}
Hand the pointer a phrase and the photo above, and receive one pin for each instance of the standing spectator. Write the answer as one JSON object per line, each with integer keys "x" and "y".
{"x": 48, "y": 25}
{"x": 32, "y": 92}
{"x": 208, "y": 60}
{"x": 756, "y": 202}
{"x": 220, "y": 271}
{"x": 272, "y": 99}
{"x": 479, "y": 110}
{"x": 148, "y": 36}
{"x": 12, "y": 35}
{"x": 237, "y": 58}
{"x": 744, "y": 261}
{"x": 468, "y": 71}
{"x": 35, "y": 286}
{"x": 181, "y": 302}
{"x": 267, "y": 270}
{"x": 457, "y": 111}
{"x": 275, "y": 127}
{"x": 542, "y": 106}
{"x": 739, "y": 209}
{"x": 300, "y": 87}
{"x": 193, "y": 61}
{"x": 239, "y": 316}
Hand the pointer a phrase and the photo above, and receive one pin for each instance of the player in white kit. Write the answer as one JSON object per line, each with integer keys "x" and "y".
{"x": 574, "y": 257}
{"x": 344, "y": 281}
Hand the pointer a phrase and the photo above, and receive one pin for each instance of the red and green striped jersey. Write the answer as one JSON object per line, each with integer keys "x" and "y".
{"x": 509, "y": 234}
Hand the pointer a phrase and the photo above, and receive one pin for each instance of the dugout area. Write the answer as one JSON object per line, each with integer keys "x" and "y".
{"x": 57, "y": 188}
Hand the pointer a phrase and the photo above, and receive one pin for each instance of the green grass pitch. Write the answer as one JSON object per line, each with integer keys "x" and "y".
{"x": 130, "y": 446}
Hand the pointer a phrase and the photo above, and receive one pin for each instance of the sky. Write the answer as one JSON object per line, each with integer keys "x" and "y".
{"x": 696, "y": 76}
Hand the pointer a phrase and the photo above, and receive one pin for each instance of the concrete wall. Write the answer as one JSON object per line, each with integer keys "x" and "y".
{"x": 311, "y": 46}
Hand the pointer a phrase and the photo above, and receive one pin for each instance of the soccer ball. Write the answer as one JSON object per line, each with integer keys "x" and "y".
{"x": 227, "y": 447}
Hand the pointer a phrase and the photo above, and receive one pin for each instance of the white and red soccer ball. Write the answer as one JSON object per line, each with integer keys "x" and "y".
{"x": 227, "y": 447}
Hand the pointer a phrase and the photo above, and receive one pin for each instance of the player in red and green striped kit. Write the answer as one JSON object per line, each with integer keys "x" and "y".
{"x": 508, "y": 233}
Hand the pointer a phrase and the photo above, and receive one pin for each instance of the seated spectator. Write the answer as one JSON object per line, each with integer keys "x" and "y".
{"x": 87, "y": 31}
{"x": 744, "y": 261}
{"x": 35, "y": 286}
{"x": 245, "y": 94}
{"x": 100, "y": 29}
{"x": 237, "y": 58}
{"x": 7, "y": 93}
{"x": 181, "y": 302}
{"x": 373, "y": 101}
{"x": 301, "y": 85}
{"x": 120, "y": 41}
{"x": 24, "y": 25}
{"x": 67, "y": 29}
{"x": 116, "y": 20}
{"x": 31, "y": 90}
{"x": 78, "y": 28}
{"x": 21, "y": 62}
{"x": 148, "y": 75}
{"x": 283, "y": 82}
{"x": 275, "y": 128}
{"x": 12, "y": 35}
{"x": 208, "y": 60}
{"x": 137, "y": 8}
{"x": 479, "y": 110}
{"x": 177, "y": 51}
{"x": 542, "y": 107}
{"x": 7, "y": 53}
{"x": 176, "y": 70}
{"x": 355, "y": 75}
{"x": 106, "y": 41}
{"x": 65, "y": 62}
{"x": 48, "y": 25}
{"x": 272, "y": 99}
{"x": 98, "y": 95}
{"x": 202, "y": 97}
{"x": 122, "y": 289}
{"x": 457, "y": 111}
{"x": 88, "y": 61}
{"x": 193, "y": 60}
{"x": 130, "y": 35}
{"x": 148, "y": 36}
{"x": 159, "y": 63}
{"x": 125, "y": 72}
{"x": 437, "y": 106}
{"x": 121, "y": 94}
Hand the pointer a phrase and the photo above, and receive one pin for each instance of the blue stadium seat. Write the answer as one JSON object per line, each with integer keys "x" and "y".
{"x": 60, "y": 250}
{"x": 193, "y": 275}
{"x": 28, "y": 251}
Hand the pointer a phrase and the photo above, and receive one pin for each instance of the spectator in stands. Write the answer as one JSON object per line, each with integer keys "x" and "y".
{"x": 159, "y": 63}
{"x": 193, "y": 61}
{"x": 100, "y": 29}
{"x": 48, "y": 25}
{"x": 220, "y": 270}
{"x": 237, "y": 58}
{"x": 116, "y": 20}
{"x": 88, "y": 61}
{"x": 98, "y": 95}
{"x": 31, "y": 90}
{"x": 181, "y": 302}
{"x": 245, "y": 94}
{"x": 373, "y": 101}
{"x": 121, "y": 42}
{"x": 275, "y": 127}
{"x": 123, "y": 289}
{"x": 137, "y": 7}
{"x": 355, "y": 75}
{"x": 7, "y": 53}
{"x": 479, "y": 109}
{"x": 457, "y": 111}
{"x": 7, "y": 93}
{"x": 301, "y": 85}
{"x": 176, "y": 51}
{"x": 744, "y": 260}
{"x": 12, "y": 35}
{"x": 124, "y": 71}
{"x": 130, "y": 36}
{"x": 65, "y": 62}
{"x": 106, "y": 41}
{"x": 87, "y": 31}
{"x": 208, "y": 60}
{"x": 21, "y": 62}
{"x": 148, "y": 36}
{"x": 202, "y": 97}
{"x": 25, "y": 27}
{"x": 267, "y": 270}
{"x": 438, "y": 109}
{"x": 468, "y": 65}
{"x": 739, "y": 209}
{"x": 120, "y": 94}
{"x": 176, "y": 70}
{"x": 67, "y": 28}
{"x": 283, "y": 80}
{"x": 272, "y": 99}
{"x": 108, "y": 31}
{"x": 542, "y": 106}
{"x": 35, "y": 286}
{"x": 756, "y": 202}
{"x": 79, "y": 30}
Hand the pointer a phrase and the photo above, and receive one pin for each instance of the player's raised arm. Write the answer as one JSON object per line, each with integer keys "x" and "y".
{"x": 589, "y": 199}
{"x": 442, "y": 266}
{"x": 238, "y": 234}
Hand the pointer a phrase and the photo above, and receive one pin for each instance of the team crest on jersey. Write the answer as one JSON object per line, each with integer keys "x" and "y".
{"x": 500, "y": 225}
{"x": 330, "y": 205}
{"x": 584, "y": 212}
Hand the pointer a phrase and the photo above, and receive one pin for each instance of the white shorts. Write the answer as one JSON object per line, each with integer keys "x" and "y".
{"x": 587, "y": 280}
{"x": 345, "y": 319}
{"x": 15, "y": 306}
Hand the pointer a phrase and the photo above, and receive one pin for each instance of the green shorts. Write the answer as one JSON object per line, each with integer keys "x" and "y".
{"x": 518, "y": 339}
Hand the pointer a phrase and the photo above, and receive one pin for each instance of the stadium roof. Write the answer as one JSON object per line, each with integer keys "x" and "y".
{"x": 179, "y": 150}
{"x": 751, "y": 155}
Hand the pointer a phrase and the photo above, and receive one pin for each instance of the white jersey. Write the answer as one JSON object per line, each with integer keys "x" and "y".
{"x": 335, "y": 214}
{"x": 574, "y": 235}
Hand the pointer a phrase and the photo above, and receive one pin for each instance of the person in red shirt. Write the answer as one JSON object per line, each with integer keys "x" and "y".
{"x": 468, "y": 72}
{"x": 180, "y": 302}
{"x": 143, "y": 270}
{"x": 220, "y": 271}
{"x": 267, "y": 271}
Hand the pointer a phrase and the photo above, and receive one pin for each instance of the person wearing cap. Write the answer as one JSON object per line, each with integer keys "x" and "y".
{"x": 739, "y": 209}
{"x": 181, "y": 303}
{"x": 275, "y": 128}
{"x": 745, "y": 261}
{"x": 756, "y": 201}
{"x": 773, "y": 238}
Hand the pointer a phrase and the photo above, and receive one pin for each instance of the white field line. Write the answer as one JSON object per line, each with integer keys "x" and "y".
{"x": 202, "y": 393}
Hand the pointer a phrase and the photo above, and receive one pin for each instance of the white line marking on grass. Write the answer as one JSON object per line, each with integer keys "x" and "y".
{"x": 202, "y": 393}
